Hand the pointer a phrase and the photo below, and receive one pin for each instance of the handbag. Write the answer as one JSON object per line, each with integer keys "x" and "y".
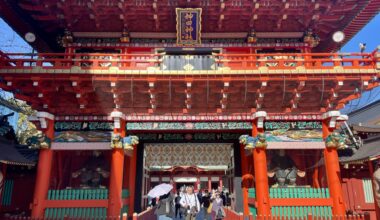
{"x": 209, "y": 209}
{"x": 167, "y": 207}
{"x": 193, "y": 211}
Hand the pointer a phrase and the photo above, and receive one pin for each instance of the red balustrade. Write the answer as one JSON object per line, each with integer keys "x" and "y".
{"x": 67, "y": 218}
{"x": 294, "y": 60}
{"x": 145, "y": 215}
{"x": 232, "y": 215}
{"x": 233, "y": 61}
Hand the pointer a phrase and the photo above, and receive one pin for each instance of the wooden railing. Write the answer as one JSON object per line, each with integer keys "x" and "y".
{"x": 232, "y": 215}
{"x": 80, "y": 203}
{"x": 6, "y": 193}
{"x": 294, "y": 60}
{"x": 67, "y": 218}
{"x": 145, "y": 215}
{"x": 296, "y": 202}
{"x": 232, "y": 61}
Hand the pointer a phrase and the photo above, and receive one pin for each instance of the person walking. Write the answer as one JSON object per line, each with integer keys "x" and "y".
{"x": 217, "y": 207}
{"x": 190, "y": 204}
{"x": 207, "y": 206}
{"x": 164, "y": 209}
{"x": 178, "y": 206}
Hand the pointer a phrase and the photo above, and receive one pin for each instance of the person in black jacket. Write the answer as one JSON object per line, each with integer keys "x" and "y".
{"x": 206, "y": 199}
{"x": 178, "y": 206}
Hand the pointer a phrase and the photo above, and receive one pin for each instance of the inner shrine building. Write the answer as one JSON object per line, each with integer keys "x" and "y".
{"x": 232, "y": 95}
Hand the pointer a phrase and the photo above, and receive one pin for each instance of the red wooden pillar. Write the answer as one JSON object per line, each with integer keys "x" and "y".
{"x": 116, "y": 172}
{"x": 371, "y": 170}
{"x": 132, "y": 181}
{"x": 316, "y": 171}
{"x": 45, "y": 160}
{"x": 244, "y": 171}
{"x": 198, "y": 184}
{"x": 244, "y": 162}
{"x": 209, "y": 184}
{"x": 332, "y": 165}
{"x": 260, "y": 168}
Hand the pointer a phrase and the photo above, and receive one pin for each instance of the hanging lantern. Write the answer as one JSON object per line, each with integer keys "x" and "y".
{"x": 125, "y": 36}
{"x": 67, "y": 37}
{"x": 311, "y": 38}
{"x": 252, "y": 37}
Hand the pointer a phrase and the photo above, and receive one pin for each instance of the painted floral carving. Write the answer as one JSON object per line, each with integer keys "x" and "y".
{"x": 116, "y": 141}
{"x": 39, "y": 141}
{"x": 252, "y": 142}
{"x": 129, "y": 142}
{"x": 335, "y": 140}
{"x": 125, "y": 143}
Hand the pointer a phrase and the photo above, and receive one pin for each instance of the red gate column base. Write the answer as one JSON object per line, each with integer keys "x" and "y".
{"x": 260, "y": 164}
{"x": 117, "y": 166}
{"x": 46, "y": 123}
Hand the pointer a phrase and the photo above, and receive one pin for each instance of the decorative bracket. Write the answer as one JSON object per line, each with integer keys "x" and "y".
{"x": 333, "y": 115}
{"x": 260, "y": 116}
{"x": 116, "y": 115}
{"x": 41, "y": 117}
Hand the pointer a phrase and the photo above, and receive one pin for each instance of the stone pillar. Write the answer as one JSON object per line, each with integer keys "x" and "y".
{"x": 260, "y": 164}
{"x": 45, "y": 160}
{"x": 332, "y": 164}
{"x": 116, "y": 172}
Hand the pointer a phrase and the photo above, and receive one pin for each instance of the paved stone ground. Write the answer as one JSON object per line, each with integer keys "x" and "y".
{"x": 200, "y": 216}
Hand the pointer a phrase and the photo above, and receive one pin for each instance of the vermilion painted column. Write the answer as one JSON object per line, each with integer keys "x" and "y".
{"x": 116, "y": 172}
{"x": 45, "y": 160}
{"x": 244, "y": 171}
{"x": 260, "y": 165}
{"x": 198, "y": 184}
{"x": 371, "y": 171}
{"x": 132, "y": 181}
{"x": 332, "y": 165}
{"x": 209, "y": 184}
{"x": 316, "y": 172}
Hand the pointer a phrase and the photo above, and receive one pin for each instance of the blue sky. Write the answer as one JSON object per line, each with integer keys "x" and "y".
{"x": 370, "y": 34}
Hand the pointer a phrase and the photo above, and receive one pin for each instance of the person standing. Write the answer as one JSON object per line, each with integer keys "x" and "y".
{"x": 189, "y": 201}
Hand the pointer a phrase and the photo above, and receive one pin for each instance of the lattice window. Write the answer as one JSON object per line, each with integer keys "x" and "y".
{"x": 368, "y": 191}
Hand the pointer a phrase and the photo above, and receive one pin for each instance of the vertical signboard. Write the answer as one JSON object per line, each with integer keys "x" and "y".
{"x": 188, "y": 26}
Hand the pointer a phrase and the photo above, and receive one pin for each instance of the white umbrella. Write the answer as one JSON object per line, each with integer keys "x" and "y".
{"x": 160, "y": 190}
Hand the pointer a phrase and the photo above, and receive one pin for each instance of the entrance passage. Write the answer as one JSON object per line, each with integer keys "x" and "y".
{"x": 205, "y": 166}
